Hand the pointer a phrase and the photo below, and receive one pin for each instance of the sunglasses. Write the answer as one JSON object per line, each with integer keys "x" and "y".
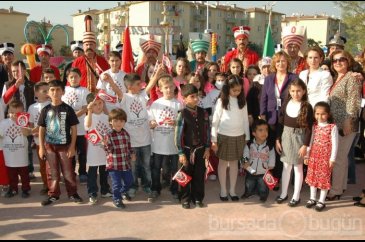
{"x": 341, "y": 59}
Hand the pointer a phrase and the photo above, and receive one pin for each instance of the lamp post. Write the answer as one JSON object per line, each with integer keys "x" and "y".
{"x": 166, "y": 26}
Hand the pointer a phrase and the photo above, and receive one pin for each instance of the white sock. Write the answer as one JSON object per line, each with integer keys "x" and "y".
{"x": 313, "y": 193}
{"x": 285, "y": 179}
{"x": 298, "y": 171}
{"x": 222, "y": 175}
{"x": 233, "y": 173}
{"x": 323, "y": 196}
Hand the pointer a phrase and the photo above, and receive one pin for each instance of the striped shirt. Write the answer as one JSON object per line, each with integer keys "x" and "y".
{"x": 119, "y": 150}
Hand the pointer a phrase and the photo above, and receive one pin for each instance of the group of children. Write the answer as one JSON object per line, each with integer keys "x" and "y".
{"x": 182, "y": 126}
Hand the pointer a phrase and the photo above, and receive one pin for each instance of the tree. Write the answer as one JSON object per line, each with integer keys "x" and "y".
{"x": 255, "y": 47}
{"x": 312, "y": 43}
{"x": 353, "y": 17}
{"x": 65, "y": 51}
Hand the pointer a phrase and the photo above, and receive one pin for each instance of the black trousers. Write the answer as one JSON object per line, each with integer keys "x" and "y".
{"x": 194, "y": 191}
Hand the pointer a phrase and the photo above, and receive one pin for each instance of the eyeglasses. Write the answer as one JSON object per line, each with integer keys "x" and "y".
{"x": 341, "y": 59}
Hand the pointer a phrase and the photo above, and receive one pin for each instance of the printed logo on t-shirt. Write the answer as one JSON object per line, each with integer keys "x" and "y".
{"x": 56, "y": 127}
{"x": 13, "y": 132}
{"x": 136, "y": 107}
{"x": 71, "y": 99}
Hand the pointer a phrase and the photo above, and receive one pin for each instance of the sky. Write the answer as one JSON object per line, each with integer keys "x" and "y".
{"x": 59, "y": 12}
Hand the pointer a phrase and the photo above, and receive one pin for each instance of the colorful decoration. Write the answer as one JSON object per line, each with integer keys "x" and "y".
{"x": 214, "y": 46}
{"x": 29, "y": 51}
{"x": 47, "y": 38}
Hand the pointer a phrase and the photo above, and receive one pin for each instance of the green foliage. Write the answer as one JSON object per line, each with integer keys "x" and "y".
{"x": 353, "y": 16}
{"x": 312, "y": 43}
{"x": 65, "y": 51}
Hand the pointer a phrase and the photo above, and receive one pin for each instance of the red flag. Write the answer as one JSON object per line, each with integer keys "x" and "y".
{"x": 93, "y": 136}
{"x": 106, "y": 97}
{"x": 22, "y": 119}
{"x": 270, "y": 180}
{"x": 182, "y": 178}
{"x": 208, "y": 170}
{"x": 167, "y": 62}
{"x": 127, "y": 55}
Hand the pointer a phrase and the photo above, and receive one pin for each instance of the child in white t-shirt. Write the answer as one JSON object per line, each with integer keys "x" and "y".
{"x": 163, "y": 114}
{"x": 41, "y": 92}
{"x": 75, "y": 96}
{"x": 96, "y": 156}
{"x": 112, "y": 80}
{"x": 15, "y": 147}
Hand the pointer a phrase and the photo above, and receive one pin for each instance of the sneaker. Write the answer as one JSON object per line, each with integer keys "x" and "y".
{"x": 118, "y": 204}
{"x": 212, "y": 177}
{"x": 106, "y": 195}
{"x": 25, "y": 194}
{"x": 153, "y": 196}
{"x": 147, "y": 190}
{"x": 83, "y": 178}
{"x": 49, "y": 201}
{"x": 5, "y": 190}
{"x": 76, "y": 198}
{"x": 11, "y": 193}
{"x": 199, "y": 204}
{"x": 32, "y": 176}
{"x": 132, "y": 192}
{"x": 126, "y": 197}
{"x": 43, "y": 192}
{"x": 186, "y": 205}
{"x": 93, "y": 200}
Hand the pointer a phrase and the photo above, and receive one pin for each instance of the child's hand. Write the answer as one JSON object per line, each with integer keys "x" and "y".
{"x": 19, "y": 82}
{"x": 332, "y": 164}
{"x": 183, "y": 160}
{"x": 279, "y": 148}
{"x": 90, "y": 107}
{"x": 107, "y": 78}
{"x": 71, "y": 152}
{"x": 206, "y": 154}
{"x": 302, "y": 151}
{"x": 306, "y": 161}
{"x": 214, "y": 147}
{"x": 153, "y": 124}
{"x": 170, "y": 122}
{"x": 133, "y": 157}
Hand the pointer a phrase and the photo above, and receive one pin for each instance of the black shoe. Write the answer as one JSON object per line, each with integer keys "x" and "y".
{"x": 186, "y": 205}
{"x": 333, "y": 198}
{"x": 234, "y": 198}
{"x": 293, "y": 203}
{"x": 263, "y": 199}
{"x": 49, "y": 201}
{"x": 223, "y": 199}
{"x": 126, "y": 197}
{"x": 199, "y": 204}
{"x": 11, "y": 193}
{"x": 320, "y": 206}
{"x": 118, "y": 204}
{"x": 311, "y": 203}
{"x": 25, "y": 194}
{"x": 76, "y": 198}
{"x": 280, "y": 200}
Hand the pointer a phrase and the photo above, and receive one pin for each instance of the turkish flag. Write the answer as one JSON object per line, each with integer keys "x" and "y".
{"x": 270, "y": 180}
{"x": 106, "y": 97}
{"x": 127, "y": 55}
{"x": 22, "y": 119}
{"x": 182, "y": 178}
{"x": 167, "y": 62}
{"x": 93, "y": 136}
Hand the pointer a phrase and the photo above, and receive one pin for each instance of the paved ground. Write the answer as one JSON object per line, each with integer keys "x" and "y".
{"x": 164, "y": 219}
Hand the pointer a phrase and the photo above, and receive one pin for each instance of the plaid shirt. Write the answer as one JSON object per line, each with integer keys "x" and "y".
{"x": 119, "y": 150}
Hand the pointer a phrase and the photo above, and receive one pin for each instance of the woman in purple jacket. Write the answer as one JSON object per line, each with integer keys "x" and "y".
{"x": 274, "y": 94}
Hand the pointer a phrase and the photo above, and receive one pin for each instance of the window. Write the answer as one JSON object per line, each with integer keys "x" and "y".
{"x": 219, "y": 14}
{"x": 218, "y": 26}
{"x": 258, "y": 28}
{"x": 210, "y": 13}
{"x": 158, "y": 21}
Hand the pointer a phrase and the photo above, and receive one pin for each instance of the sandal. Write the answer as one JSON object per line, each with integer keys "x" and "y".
{"x": 311, "y": 203}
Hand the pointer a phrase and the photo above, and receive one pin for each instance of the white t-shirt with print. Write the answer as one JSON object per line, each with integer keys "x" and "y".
{"x": 15, "y": 144}
{"x": 135, "y": 105}
{"x": 118, "y": 79}
{"x": 163, "y": 135}
{"x": 96, "y": 155}
{"x": 34, "y": 111}
{"x": 76, "y": 98}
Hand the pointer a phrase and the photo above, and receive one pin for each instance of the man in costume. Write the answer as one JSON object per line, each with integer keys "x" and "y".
{"x": 44, "y": 53}
{"x": 293, "y": 37}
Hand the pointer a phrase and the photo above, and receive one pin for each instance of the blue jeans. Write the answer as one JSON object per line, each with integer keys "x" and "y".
{"x": 92, "y": 186}
{"x": 170, "y": 162}
{"x": 352, "y": 162}
{"x": 256, "y": 185}
{"x": 118, "y": 187}
{"x": 142, "y": 166}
